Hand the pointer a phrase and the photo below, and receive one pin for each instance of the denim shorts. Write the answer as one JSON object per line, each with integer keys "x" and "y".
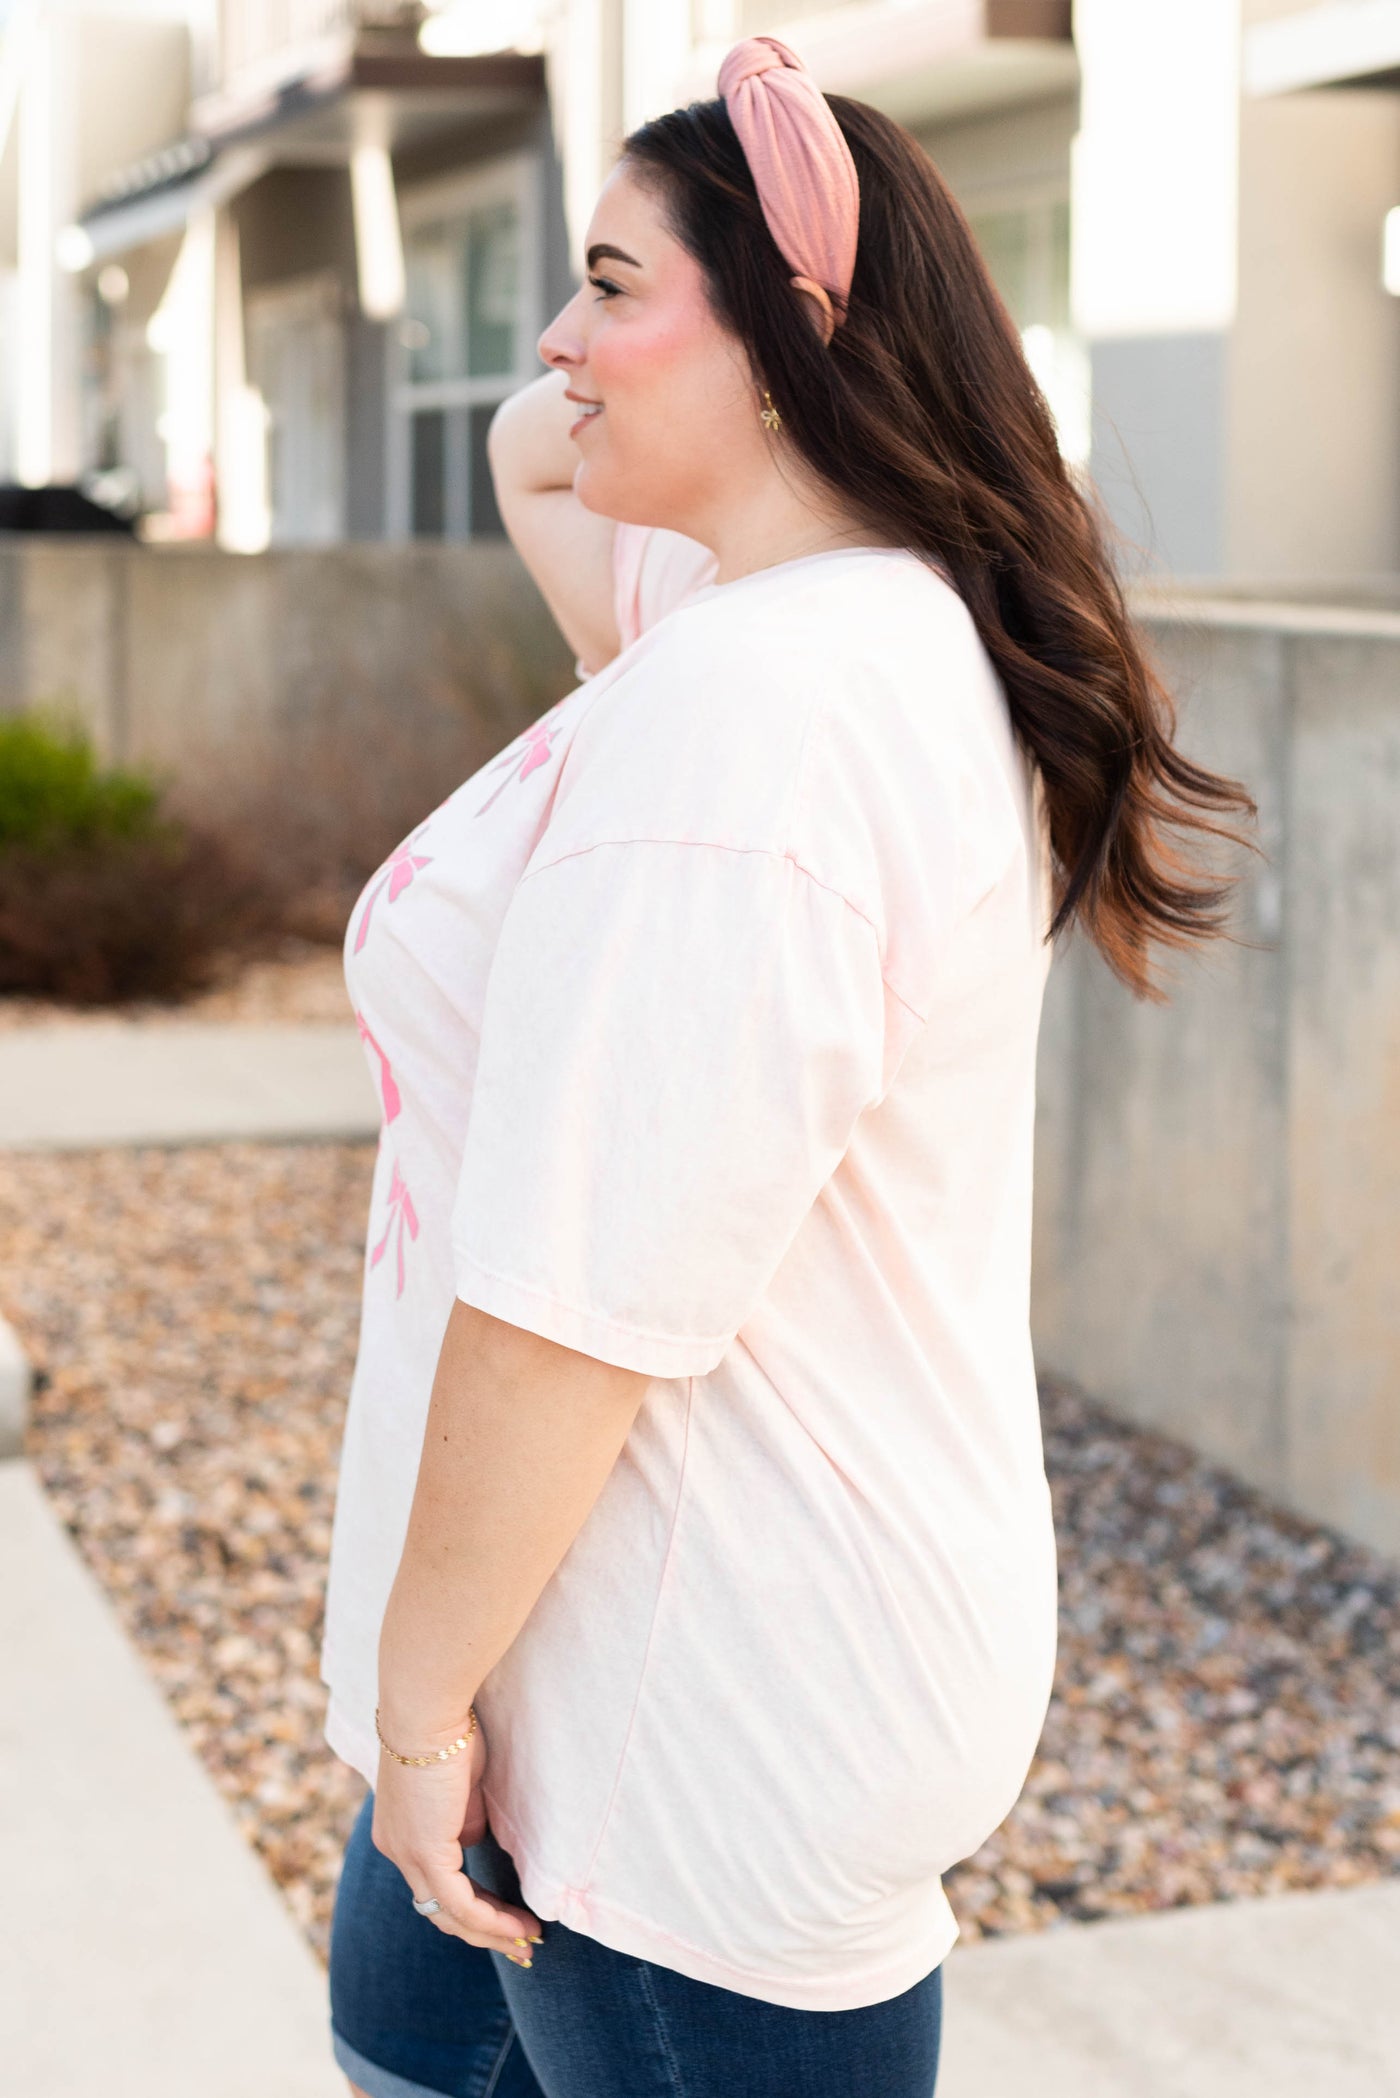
{"x": 418, "y": 2014}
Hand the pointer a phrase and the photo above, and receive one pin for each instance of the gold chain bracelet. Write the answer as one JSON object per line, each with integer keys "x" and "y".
{"x": 439, "y": 1755}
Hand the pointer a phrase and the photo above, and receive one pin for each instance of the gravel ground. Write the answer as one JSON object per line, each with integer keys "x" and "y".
{"x": 193, "y": 1316}
{"x": 302, "y": 981}
{"x": 1226, "y": 1718}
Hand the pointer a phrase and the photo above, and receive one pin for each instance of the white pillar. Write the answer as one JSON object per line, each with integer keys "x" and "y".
{"x": 1155, "y": 167}
{"x": 182, "y": 332}
{"x": 1314, "y": 419}
{"x": 585, "y": 95}
{"x": 716, "y": 21}
{"x": 48, "y": 306}
{"x": 9, "y": 372}
{"x": 244, "y": 511}
{"x": 378, "y": 236}
{"x": 656, "y": 45}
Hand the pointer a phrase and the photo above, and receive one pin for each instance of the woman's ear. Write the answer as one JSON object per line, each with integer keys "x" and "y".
{"x": 817, "y": 301}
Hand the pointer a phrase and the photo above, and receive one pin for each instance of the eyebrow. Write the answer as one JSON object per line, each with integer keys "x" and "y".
{"x": 601, "y": 250}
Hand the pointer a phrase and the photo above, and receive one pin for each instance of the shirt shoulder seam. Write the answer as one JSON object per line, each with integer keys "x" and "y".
{"x": 763, "y": 851}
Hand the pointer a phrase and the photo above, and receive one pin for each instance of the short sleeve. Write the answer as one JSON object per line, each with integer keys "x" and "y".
{"x": 677, "y": 1042}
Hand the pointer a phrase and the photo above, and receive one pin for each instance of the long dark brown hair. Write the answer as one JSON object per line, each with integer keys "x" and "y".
{"x": 926, "y": 418}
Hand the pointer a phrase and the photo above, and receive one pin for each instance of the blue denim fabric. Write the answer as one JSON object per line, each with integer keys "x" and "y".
{"x": 417, "y": 2014}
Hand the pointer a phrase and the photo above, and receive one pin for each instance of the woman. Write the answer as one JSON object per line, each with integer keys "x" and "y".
{"x": 692, "y": 1600}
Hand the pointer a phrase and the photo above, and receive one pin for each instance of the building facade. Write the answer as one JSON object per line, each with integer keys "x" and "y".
{"x": 268, "y": 266}
{"x": 1229, "y": 222}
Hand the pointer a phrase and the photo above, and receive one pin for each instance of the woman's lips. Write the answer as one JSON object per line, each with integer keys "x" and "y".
{"x": 583, "y": 421}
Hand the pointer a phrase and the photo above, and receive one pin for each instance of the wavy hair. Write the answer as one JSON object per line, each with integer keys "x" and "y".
{"x": 926, "y": 418}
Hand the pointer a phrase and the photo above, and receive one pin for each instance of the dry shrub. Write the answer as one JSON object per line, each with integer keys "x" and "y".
{"x": 98, "y": 921}
{"x": 321, "y": 817}
{"x": 105, "y": 895}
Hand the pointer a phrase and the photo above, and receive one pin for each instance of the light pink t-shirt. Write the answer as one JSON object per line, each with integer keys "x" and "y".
{"x": 705, "y": 1019}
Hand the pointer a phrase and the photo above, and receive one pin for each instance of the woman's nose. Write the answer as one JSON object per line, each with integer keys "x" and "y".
{"x": 561, "y": 344}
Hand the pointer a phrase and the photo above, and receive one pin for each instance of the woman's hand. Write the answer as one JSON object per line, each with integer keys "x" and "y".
{"x": 422, "y": 1819}
{"x": 521, "y": 1437}
{"x": 567, "y": 549}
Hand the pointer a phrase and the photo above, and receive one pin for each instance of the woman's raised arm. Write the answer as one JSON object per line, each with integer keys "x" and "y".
{"x": 567, "y": 549}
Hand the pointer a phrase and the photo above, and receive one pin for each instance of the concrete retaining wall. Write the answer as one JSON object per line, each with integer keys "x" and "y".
{"x": 1217, "y": 1227}
{"x": 343, "y": 688}
{"x": 1217, "y": 1180}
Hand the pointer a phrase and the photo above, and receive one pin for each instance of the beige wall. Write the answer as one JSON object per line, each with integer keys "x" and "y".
{"x": 341, "y": 691}
{"x": 1312, "y": 466}
{"x": 985, "y": 158}
{"x": 133, "y": 89}
{"x": 1217, "y": 1193}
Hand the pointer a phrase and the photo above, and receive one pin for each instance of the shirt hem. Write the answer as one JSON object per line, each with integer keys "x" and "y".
{"x": 592, "y": 1916}
{"x": 623, "y": 1931}
{"x": 345, "y": 1740}
{"x": 626, "y": 1347}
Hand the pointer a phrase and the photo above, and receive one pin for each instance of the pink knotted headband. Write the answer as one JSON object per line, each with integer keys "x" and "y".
{"x": 800, "y": 162}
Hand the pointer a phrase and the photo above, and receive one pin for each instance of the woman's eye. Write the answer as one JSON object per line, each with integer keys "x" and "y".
{"x": 605, "y": 286}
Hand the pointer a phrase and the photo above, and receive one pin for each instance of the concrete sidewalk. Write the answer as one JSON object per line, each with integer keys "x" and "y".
{"x": 146, "y": 1954}
{"x": 1290, "y": 1997}
{"x": 144, "y": 1951}
{"x": 66, "y": 1086}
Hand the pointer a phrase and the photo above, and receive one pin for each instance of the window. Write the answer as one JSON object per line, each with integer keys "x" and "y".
{"x": 472, "y": 316}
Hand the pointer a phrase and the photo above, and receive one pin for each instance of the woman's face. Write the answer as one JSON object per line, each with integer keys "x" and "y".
{"x": 676, "y": 438}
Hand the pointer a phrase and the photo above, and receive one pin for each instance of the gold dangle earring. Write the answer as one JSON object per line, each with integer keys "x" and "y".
{"x": 768, "y": 414}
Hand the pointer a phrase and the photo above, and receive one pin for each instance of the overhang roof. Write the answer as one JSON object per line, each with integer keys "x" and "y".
{"x": 319, "y": 112}
{"x": 164, "y": 206}
{"x": 386, "y": 91}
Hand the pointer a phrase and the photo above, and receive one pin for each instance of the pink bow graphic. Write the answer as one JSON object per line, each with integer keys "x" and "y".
{"x": 536, "y": 752}
{"x": 388, "y": 1088}
{"x": 399, "y": 869}
{"x": 401, "y": 1212}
